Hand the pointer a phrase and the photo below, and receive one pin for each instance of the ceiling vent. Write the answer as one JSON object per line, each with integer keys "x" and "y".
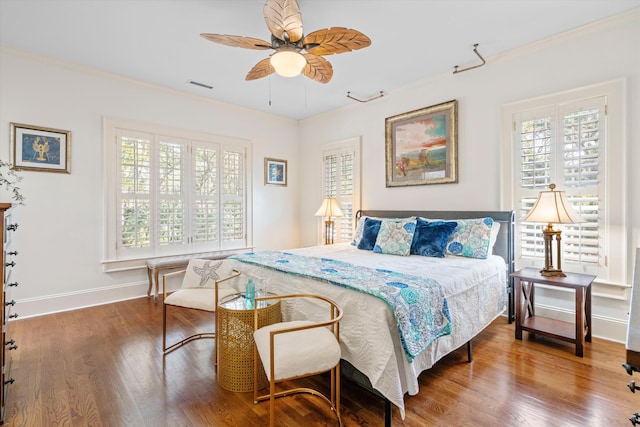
{"x": 195, "y": 83}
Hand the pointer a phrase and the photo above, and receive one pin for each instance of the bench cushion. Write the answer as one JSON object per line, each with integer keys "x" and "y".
{"x": 182, "y": 260}
{"x": 179, "y": 261}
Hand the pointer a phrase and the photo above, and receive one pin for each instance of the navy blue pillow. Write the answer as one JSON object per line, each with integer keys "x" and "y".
{"x": 431, "y": 238}
{"x": 369, "y": 234}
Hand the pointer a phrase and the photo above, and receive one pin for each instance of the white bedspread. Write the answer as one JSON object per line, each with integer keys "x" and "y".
{"x": 475, "y": 290}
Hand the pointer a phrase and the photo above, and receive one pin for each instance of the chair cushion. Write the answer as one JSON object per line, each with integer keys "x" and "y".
{"x": 298, "y": 353}
{"x": 198, "y": 298}
{"x": 205, "y": 272}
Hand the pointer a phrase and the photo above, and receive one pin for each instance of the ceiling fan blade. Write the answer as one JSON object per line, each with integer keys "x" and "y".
{"x": 260, "y": 70}
{"x": 317, "y": 68}
{"x": 284, "y": 19}
{"x": 335, "y": 40}
{"x": 238, "y": 41}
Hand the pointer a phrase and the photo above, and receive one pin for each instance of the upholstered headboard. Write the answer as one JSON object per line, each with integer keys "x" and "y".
{"x": 505, "y": 246}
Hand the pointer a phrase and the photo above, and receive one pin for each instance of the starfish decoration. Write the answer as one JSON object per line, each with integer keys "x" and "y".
{"x": 207, "y": 272}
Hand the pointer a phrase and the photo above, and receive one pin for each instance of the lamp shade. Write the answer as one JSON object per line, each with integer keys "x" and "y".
{"x": 552, "y": 208}
{"x": 288, "y": 63}
{"x": 329, "y": 208}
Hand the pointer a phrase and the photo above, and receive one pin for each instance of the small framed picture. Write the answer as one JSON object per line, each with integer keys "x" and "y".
{"x": 40, "y": 149}
{"x": 275, "y": 172}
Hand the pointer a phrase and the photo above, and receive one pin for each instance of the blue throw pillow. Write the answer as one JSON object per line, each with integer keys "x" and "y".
{"x": 369, "y": 234}
{"x": 431, "y": 238}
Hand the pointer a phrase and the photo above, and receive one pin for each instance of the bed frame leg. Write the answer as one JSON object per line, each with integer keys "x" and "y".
{"x": 469, "y": 356}
{"x": 387, "y": 413}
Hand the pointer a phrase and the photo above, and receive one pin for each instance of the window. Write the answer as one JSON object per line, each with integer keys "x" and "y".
{"x": 568, "y": 140}
{"x": 341, "y": 179}
{"x": 174, "y": 192}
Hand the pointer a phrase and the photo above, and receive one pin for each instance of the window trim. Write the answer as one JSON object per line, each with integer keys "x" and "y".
{"x": 613, "y": 268}
{"x": 111, "y": 261}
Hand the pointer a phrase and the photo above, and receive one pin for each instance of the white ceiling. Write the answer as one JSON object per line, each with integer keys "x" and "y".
{"x": 158, "y": 41}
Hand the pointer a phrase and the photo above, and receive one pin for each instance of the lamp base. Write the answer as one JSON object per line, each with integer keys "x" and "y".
{"x": 549, "y": 236}
{"x": 328, "y": 232}
{"x": 552, "y": 273}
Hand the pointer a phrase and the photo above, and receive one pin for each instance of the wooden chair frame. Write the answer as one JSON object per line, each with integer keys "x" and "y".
{"x": 335, "y": 315}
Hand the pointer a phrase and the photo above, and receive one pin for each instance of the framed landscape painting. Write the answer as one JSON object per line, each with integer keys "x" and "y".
{"x": 42, "y": 149}
{"x": 421, "y": 146}
{"x": 275, "y": 172}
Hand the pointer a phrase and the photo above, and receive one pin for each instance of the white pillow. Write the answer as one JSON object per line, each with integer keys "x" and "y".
{"x": 204, "y": 273}
{"x": 494, "y": 235}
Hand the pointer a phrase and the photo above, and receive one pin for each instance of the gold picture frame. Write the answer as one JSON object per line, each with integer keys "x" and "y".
{"x": 421, "y": 146}
{"x": 275, "y": 172}
{"x": 41, "y": 149}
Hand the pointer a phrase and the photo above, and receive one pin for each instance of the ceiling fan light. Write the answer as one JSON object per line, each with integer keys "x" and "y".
{"x": 288, "y": 63}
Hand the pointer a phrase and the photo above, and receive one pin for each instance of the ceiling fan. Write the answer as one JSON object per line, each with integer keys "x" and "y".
{"x": 294, "y": 53}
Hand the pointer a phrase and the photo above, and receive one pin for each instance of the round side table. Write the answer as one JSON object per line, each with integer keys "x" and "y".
{"x": 234, "y": 325}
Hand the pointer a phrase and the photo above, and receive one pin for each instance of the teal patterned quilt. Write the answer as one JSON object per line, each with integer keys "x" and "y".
{"x": 418, "y": 303}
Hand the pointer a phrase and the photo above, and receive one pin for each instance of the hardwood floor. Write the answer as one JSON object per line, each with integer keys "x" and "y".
{"x": 102, "y": 366}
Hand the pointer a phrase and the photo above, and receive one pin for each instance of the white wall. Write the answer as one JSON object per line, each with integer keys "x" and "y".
{"x": 60, "y": 238}
{"x": 61, "y": 232}
{"x": 598, "y": 53}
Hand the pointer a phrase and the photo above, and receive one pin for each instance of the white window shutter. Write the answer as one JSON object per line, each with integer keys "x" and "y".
{"x": 175, "y": 192}
{"x": 562, "y": 144}
{"x": 341, "y": 180}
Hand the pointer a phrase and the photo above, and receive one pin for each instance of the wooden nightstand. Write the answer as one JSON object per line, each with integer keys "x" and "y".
{"x": 526, "y": 319}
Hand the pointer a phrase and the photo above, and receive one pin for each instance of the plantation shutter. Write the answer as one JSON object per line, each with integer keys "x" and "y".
{"x": 233, "y": 198}
{"x": 135, "y": 193}
{"x": 171, "y": 193}
{"x": 563, "y": 144}
{"x": 206, "y": 194}
{"x": 178, "y": 195}
{"x": 338, "y": 182}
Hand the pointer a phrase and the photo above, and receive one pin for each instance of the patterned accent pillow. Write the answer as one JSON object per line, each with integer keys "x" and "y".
{"x": 395, "y": 237}
{"x": 471, "y": 238}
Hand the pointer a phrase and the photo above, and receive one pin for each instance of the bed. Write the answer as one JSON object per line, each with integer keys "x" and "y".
{"x": 377, "y": 353}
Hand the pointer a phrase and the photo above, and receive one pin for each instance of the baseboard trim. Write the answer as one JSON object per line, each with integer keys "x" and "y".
{"x": 31, "y": 307}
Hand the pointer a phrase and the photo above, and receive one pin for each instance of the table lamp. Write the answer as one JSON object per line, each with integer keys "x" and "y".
{"x": 552, "y": 207}
{"x": 328, "y": 209}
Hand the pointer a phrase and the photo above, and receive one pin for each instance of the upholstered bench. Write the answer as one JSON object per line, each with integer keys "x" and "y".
{"x": 156, "y": 265}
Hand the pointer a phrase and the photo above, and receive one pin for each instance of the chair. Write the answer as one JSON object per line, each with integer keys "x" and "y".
{"x": 200, "y": 290}
{"x": 299, "y": 348}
